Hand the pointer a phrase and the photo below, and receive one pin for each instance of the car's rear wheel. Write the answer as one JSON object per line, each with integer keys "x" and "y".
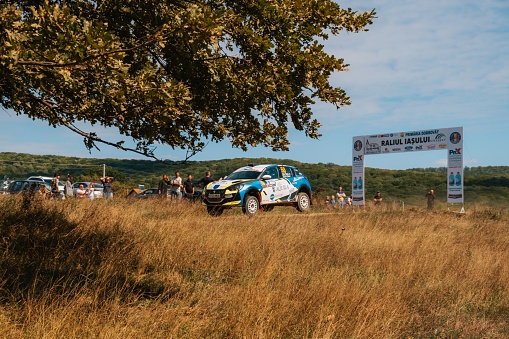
{"x": 251, "y": 206}
{"x": 215, "y": 211}
{"x": 303, "y": 202}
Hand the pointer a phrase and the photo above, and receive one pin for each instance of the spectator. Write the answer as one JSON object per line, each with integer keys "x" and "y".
{"x": 332, "y": 201}
{"x": 55, "y": 184}
{"x": 81, "y": 192}
{"x": 349, "y": 200}
{"x": 162, "y": 188}
{"x": 90, "y": 191}
{"x": 176, "y": 185}
{"x": 68, "y": 186}
{"x": 341, "y": 196}
{"x": 431, "y": 199}
{"x": 189, "y": 187}
{"x": 207, "y": 179}
{"x": 108, "y": 187}
{"x": 43, "y": 191}
{"x": 377, "y": 199}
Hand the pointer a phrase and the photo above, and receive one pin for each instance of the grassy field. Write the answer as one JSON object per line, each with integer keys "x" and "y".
{"x": 157, "y": 269}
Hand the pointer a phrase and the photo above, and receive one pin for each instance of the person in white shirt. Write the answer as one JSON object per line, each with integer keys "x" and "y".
{"x": 176, "y": 185}
{"x": 90, "y": 191}
{"x": 81, "y": 192}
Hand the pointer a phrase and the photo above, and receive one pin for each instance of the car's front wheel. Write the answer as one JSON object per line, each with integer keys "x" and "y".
{"x": 215, "y": 211}
{"x": 303, "y": 202}
{"x": 251, "y": 206}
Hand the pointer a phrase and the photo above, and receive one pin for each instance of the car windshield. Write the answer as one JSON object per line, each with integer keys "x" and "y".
{"x": 243, "y": 175}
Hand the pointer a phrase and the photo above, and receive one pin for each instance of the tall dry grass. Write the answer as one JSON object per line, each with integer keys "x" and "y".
{"x": 137, "y": 269}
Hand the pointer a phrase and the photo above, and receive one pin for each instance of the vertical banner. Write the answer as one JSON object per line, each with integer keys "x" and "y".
{"x": 358, "y": 171}
{"x": 450, "y": 139}
{"x": 455, "y": 166}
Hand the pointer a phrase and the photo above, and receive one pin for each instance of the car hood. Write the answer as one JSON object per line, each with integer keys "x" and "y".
{"x": 222, "y": 184}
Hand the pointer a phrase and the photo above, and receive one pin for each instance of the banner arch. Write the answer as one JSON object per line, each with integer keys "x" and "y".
{"x": 450, "y": 139}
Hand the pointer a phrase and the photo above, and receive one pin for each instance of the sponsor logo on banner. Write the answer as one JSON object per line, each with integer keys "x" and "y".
{"x": 409, "y": 148}
{"x": 357, "y": 145}
{"x": 455, "y": 137}
{"x": 442, "y": 145}
{"x": 455, "y": 151}
{"x": 431, "y": 146}
{"x": 440, "y": 137}
{"x": 396, "y": 149}
{"x": 372, "y": 148}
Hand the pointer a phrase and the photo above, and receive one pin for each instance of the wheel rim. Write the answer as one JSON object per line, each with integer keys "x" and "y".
{"x": 304, "y": 201}
{"x": 252, "y": 206}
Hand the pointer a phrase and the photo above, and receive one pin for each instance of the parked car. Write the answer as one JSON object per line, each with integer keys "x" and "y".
{"x": 98, "y": 188}
{"x": 147, "y": 194}
{"x": 26, "y": 186}
{"x": 61, "y": 185}
{"x": 259, "y": 187}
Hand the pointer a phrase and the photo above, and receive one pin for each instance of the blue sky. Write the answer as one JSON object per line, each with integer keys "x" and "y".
{"x": 422, "y": 65}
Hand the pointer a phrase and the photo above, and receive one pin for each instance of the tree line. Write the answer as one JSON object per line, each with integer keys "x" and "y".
{"x": 482, "y": 184}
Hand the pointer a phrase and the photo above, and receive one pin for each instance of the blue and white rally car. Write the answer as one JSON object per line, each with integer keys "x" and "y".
{"x": 259, "y": 187}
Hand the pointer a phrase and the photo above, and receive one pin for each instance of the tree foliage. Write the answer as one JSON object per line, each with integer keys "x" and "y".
{"x": 174, "y": 72}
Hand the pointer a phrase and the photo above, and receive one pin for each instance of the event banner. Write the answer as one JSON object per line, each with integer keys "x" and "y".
{"x": 447, "y": 139}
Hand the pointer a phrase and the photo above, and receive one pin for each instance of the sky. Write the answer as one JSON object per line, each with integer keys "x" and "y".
{"x": 421, "y": 65}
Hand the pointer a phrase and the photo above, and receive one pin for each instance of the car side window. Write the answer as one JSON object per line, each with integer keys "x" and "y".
{"x": 287, "y": 172}
{"x": 273, "y": 172}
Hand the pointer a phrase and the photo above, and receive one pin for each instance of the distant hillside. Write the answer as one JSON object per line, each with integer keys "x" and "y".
{"x": 483, "y": 185}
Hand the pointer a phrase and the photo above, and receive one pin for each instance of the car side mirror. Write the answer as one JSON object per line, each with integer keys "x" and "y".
{"x": 266, "y": 177}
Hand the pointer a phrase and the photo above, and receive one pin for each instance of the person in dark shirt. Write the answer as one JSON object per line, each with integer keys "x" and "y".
{"x": 431, "y": 199}
{"x": 107, "y": 187}
{"x": 189, "y": 187}
{"x": 205, "y": 180}
{"x": 162, "y": 188}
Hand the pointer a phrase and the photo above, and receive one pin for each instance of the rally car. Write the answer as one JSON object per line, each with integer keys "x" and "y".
{"x": 258, "y": 187}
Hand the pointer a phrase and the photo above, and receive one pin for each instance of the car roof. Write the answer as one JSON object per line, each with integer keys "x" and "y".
{"x": 259, "y": 168}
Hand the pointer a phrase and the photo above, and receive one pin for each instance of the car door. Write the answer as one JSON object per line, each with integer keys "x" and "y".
{"x": 269, "y": 186}
{"x": 278, "y": 188}
{"x": 286, "y": 189}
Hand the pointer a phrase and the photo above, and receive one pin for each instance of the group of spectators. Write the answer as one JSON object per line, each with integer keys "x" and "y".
{"x": 338, "y": 200}
{"x": 81, "y": 192}
{"x": 177, "y": 189}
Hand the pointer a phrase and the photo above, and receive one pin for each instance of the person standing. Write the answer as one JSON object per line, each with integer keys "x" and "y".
{"x": 162, "y": 188}
{"x": 176, "y": 185}
{"x": 431, "y": 199}
{"x": 68, "y": 186}
{"x": 90, "y": 191}
{"x": 55, "y": 186}
{"x": 341, "y": 196}
{"x": 207, "y": 179}
{"x": 189, "y": 187}
{"x": 377, "y": 199}
{"x": 108, "y": 187}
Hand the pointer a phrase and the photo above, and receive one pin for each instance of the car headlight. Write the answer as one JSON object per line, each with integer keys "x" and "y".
{"x": 236, "y": 187}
